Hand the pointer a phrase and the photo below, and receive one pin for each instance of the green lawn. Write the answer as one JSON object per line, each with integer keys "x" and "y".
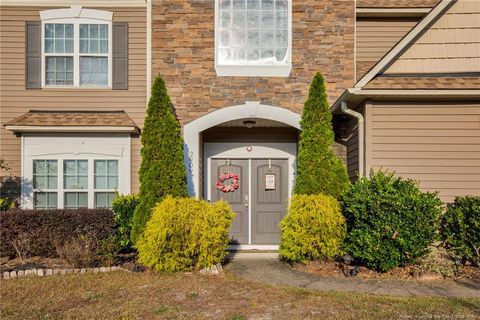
{"x": 122, "y": 295}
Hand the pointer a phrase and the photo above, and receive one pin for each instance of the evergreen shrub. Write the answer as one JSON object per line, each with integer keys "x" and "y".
{"x": 313, "y": 229}
{"x": 461, "y": 228}
{"x": 390, "y": 222}
{"x": 185, "y": 234}
{"x": 319, "y": 170}
{"x": 124, "y": 207}
{"x": 162, "y": 171}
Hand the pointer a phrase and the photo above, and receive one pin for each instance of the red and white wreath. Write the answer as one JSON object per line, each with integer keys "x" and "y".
{"x": 227, "y": 182}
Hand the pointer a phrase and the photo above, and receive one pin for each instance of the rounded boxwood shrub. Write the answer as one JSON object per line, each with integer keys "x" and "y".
{"x": 185, "y": 234}
{"x": 390, "y": 222}
{"x": 313, "y": 229}
{"x": 461, "y": 228}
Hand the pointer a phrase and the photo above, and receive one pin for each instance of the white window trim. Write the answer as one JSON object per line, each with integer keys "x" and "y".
{"x": 259, "y": 70}
{"x": 74, "y": 147}
{"x": 76, "y": 15}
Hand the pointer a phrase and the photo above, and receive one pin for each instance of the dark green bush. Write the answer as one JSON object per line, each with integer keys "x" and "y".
{"x": 461, "y": 228}
{"x": 313, "y": 229}
{"x": 162, "y": 171}
{"x": 185, "y": 234}
{"x": 124, "y": 206}
{"x": 319, "y": 170}
{"x": 390, "y": 222}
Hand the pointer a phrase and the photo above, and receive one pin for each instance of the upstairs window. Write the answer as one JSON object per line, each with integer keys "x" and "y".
{"x": 76, "y": 51}
{"x": 58, "y": 50}
{"x": 94, "y": 54}
{"x": 253, "y": 37}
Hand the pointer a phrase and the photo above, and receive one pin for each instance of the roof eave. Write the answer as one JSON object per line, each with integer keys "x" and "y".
{"x": 72, "y": 129}
{"x": 363, "y": 94}
{"x": 392, "y": 12}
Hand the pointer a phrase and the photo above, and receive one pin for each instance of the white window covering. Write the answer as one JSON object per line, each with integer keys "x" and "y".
{"x": 94, "y": 54}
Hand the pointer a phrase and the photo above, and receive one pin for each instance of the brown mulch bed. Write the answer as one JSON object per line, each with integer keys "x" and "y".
{"x": 335, "y": 269}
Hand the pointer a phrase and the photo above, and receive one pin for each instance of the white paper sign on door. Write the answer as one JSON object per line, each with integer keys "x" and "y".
{"x": 269, "y": 182}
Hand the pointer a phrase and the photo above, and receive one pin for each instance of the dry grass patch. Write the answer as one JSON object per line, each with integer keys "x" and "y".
{"x": 122, "y": 295}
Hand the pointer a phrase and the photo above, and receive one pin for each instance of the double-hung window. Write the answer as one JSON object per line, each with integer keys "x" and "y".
{"x": 106, "y": 182}
{"x": 75, "y": 184}
{"x": 94, "y": 54}
{"x": 76, "y": 53}
{"x": 253, "y": 37}
{"x": 45, "y": 184}
{"x": 59, "y": 54}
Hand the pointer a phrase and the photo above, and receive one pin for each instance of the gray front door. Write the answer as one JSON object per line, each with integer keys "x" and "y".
{"x": 269, "y": 199}
{"x": 237, "y": 199}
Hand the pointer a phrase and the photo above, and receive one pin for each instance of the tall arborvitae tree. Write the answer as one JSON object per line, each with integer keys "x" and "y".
{"x": 162, "y": 171}
{"x": 318, "y": 169}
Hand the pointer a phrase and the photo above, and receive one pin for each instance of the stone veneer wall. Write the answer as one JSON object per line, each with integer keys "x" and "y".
{"x": 183, "y": 53}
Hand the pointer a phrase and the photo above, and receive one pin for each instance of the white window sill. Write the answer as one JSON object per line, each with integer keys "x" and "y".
{"x": 54, "y": 87}
{"x": 253, "y": 71}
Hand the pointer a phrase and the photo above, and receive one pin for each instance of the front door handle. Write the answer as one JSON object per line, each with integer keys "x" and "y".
{"x": 246, "y": 201}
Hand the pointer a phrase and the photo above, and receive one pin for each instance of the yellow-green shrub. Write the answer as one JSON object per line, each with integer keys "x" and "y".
{"x": 313, "y": 229}
{"x": 185, "y": 234}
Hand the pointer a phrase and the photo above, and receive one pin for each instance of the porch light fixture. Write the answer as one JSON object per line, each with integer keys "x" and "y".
{"x": 249, "y": 124}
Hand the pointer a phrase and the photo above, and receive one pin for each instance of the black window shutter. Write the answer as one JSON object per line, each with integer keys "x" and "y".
{"x": 33, "y": 55}
{"x": 120, "y": 56}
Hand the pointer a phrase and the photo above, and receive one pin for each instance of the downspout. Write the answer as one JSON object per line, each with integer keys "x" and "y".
{"x": 149, "y": 49}
{"x": 361, "y": 138}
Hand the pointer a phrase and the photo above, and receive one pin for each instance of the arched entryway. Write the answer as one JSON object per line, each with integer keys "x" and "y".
{"x": 259, "y": 144}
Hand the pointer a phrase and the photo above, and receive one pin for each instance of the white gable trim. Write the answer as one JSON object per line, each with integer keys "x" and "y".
{"x": 392, "y": 54}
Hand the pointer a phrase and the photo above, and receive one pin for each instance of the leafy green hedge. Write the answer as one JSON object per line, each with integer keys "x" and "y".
{"x": 185, "y": 234}
{"x": 461, "y": 228}
{"x": 390, "y": 222}
{"x": 313, "y": 229}
{"x": 124, "y": 207}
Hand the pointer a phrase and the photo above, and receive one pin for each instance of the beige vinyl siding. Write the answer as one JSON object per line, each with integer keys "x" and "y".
{"x": 352, "y": 147}
{"x": 437, "y": 144}
{"x": 450, "y": 45}
{"x": 16, "y": 100}
{"x": 376, "y": 36}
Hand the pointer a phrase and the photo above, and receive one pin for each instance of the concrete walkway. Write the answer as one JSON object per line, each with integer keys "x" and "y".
{"x": 266, "y": 268}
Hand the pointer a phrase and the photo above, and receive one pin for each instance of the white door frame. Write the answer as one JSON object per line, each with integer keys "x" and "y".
{"x": 192, "y": 131}
{"x": 249, "y": 151}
